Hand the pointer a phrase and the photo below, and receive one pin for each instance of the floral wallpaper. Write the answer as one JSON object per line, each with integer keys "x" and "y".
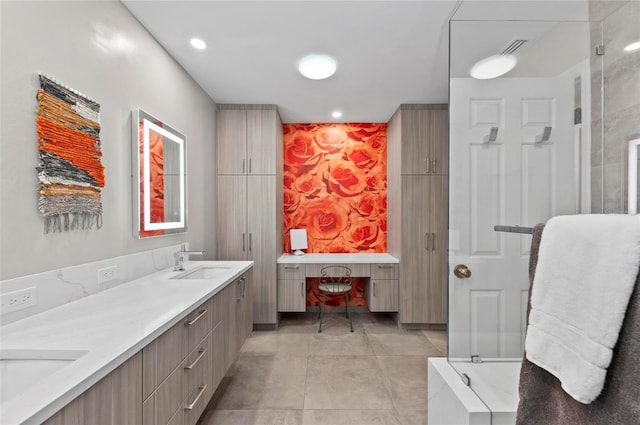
{"x": 335, "y": 186}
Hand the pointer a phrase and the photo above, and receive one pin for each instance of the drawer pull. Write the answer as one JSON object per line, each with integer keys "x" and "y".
{"x": 203, "y": 388}
{"x": 192, "y": 365}
{"x": 291, "y": 267}
{"x": 191, "y": 322}
{"x": 386, "y": 266}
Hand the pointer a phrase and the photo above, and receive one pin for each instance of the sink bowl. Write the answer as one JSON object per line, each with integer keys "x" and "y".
{"x": 205, "y": 272}
{"x": 20, "y": 369}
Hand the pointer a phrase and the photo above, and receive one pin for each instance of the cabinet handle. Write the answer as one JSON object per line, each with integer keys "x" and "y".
{"x": 302, "y": 289}
{"x": 249, "y": 165}
{"x": 238, "y": 290}
{"x": 433, "y": 241}
{"x": 427, "y": 166}
{"x": 202, "y": 352}
{"x": 191, "y": 322}
{"x": 386, "y": 266}
{"x": 291, "y": 267}
{"x": 249, "y": 241}
{"x": 243, "y": 162}
{"x": 426, "y": 236}
{"x": 433, "y": 169}
{"x": 244, "y": 286}
{"x": 374, "y": 288}
{"x": 243, "y": 243}
{"x": 203, "y": 388}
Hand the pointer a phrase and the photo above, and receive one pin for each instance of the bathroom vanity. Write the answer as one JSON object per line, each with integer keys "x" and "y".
{"x": 149, "y": 351}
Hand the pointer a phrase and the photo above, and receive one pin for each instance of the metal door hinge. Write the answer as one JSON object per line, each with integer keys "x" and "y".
{"x": 600, "y": 50}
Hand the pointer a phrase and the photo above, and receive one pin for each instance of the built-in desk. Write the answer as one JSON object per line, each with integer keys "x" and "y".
{"x": 381, "y": 289}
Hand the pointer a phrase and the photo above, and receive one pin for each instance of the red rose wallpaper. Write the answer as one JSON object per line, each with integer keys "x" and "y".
{"x": 335, "y": 186}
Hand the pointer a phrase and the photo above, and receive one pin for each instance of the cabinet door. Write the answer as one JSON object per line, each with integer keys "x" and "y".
{"x": 291, "y": 295}
{"x": 229, "y": 322}
{"x": 438, "y": 225}
{"x": 415, "y": 148}
{"x": 231, "y": 141}
{"x": 382, "y": 295}
{"x": 261, "y": 141}
{"x": 231, "y": 218}
{"x": 439, "y": 141}
{"x": 416, "y": 240}
{"x": 261, "y": 219}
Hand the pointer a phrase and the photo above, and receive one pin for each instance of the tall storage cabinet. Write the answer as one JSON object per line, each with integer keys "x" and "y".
{"x": 418, "y": 210}
{"x": 249, "y": 212}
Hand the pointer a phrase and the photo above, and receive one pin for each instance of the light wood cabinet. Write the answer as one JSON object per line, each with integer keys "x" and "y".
{"x": 382, "y": 295}
{"x": 424, "y": 128}
{"x": 249, "y": 212}
{"x": 418, "y": 210}
{"x": 115, "y": 399}
{"x": 292, "y": 295}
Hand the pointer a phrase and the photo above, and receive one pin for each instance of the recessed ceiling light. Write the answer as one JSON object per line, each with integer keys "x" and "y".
{"x": 631, "y": 47}
{"x": 198, "y": 44}
{"x": 493, "y": 66}
{"x": 317, "y": 66}
{"x": 336, "y": 114}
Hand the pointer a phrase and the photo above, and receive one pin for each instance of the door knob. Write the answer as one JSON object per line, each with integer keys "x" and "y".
{"x": 462, "y": 271}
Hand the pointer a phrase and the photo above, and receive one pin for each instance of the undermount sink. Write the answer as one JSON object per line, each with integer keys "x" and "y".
{"x": 20, "y": 369}
{"x": 205, "y": 272}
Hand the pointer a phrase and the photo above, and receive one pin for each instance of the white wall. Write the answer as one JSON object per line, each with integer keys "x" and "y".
{"x": 99, "y": 49}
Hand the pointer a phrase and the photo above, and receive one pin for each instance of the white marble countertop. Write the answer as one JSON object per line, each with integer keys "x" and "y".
{"x": 365, "y": 258}
{"x": 111, "y": 326}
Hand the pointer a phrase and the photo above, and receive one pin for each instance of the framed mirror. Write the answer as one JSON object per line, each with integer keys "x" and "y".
{"x": 159, "y": 177}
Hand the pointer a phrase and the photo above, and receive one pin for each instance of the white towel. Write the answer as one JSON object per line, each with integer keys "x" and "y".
{"x": 587, "y": 267}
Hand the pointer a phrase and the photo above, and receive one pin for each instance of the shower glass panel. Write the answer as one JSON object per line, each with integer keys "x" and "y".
{"x": 520, "y": 153}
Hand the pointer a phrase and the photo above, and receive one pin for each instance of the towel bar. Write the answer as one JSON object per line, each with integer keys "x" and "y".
{"x": 513, "y": 229}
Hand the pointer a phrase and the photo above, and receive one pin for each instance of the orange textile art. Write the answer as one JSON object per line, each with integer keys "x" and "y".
{"x": 70, "y": 169}
{"x": 335, "y": 186}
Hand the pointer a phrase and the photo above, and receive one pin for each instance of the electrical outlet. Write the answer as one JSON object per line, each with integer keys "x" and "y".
{"x": 107, "y": 274}
{"x": 17, "y": 300}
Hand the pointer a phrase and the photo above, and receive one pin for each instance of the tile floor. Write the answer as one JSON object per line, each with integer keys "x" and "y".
{"x": 376, "y": 375}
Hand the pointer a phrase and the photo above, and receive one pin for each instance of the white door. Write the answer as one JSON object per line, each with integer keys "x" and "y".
{"x": 510, "y": 181}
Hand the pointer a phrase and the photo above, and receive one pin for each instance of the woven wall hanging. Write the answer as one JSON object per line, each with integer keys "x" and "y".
{"x": 70, "y": 171}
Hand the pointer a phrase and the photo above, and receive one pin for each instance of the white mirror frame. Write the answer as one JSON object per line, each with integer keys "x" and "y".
{"x": 151, "y": 124}
{"x": 632, "y": 184}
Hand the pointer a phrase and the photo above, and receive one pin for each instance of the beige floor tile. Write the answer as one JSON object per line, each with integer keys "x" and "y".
{"x": 413, "y": 417}
{"x": 439, "y": 339}
{"x": 349, "y": 417}
{"x": 401, "y": 343}
{"x": 272, "y": 342}
{"x": 341, "y": 344}
{"x": 266, "y": 382}
{"x": 345, "y": 382}
{"x": 406, "y": 378}
{"x": 252, "y": 417}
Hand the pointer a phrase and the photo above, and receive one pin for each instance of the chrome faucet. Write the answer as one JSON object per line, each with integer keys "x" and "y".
{"x": 180, "y": 255}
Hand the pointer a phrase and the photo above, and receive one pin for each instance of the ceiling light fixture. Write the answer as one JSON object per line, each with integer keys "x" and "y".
{"x": 632, "y": 47}
{"x": 317, "y": 66}
{"x": 336, "y": 114}
{"x": 493, "y": 66}
{"x": 198, "y": 44}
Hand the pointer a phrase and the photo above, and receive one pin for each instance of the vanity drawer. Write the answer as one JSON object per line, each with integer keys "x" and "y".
{"x": 291, "y": 271}
{"x": 198, "y": 324}
{"x": 162, "y": 356}
{"x": 384, "y": 271}
{"x": 357, "y": 270}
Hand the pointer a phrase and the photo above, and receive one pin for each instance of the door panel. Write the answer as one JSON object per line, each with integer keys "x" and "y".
{"x": 231, "y": 141}
{"x": 261, "y": 140}
{"x": 231, "y": 217}
{"x": 262, "y": 250}
{"x": 516, "y": 179}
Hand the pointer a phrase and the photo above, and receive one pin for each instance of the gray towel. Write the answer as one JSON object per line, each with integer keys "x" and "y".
{"x": 544, "y": 402}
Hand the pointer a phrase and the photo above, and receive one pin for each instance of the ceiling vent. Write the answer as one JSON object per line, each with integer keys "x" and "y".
{"x": 513, "y": 47}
